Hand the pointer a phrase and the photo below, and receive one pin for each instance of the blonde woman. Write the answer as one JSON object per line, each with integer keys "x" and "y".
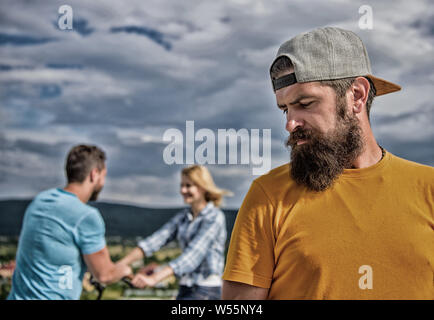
{"x": 201, "y": 233}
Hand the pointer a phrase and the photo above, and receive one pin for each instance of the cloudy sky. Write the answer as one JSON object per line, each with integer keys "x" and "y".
{"x": 130, "y": 70}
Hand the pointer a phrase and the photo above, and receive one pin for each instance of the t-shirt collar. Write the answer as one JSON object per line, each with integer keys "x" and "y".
{"x": 66, "y": 192}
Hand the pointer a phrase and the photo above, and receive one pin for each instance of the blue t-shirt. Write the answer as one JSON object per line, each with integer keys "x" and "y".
{"x": 57, "y": 230}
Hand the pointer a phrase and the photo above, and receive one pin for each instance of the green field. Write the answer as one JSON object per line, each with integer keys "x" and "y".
{"x": 118, "y": 248}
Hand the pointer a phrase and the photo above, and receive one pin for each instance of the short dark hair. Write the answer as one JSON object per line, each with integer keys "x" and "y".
{"x": 81, "y": 160}
{"x": 340, "y": 86}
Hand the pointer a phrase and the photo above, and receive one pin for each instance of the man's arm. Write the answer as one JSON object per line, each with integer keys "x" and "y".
{"x": 250, "y": 259}
{"x": 240, "y": 291}
{"x": 103, "y": 269}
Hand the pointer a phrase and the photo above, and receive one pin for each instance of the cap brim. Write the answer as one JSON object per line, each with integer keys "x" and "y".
{"x": 382, "y": 86}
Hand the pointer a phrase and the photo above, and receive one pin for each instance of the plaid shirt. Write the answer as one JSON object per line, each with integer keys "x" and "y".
{"x": 202, "y": 241}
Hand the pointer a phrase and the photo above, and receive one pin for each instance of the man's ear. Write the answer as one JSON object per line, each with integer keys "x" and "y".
{"x": 360, "y": 90}
{"x": 93, "y": 174}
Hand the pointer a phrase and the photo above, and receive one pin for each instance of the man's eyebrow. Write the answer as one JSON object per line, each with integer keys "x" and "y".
{"x": 297, "y": 100}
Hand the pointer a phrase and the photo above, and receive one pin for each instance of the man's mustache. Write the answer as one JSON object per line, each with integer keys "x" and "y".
{"x": 299, "y": 134}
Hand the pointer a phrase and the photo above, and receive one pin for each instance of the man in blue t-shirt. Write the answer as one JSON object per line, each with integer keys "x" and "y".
{"x": 62, "y": 236}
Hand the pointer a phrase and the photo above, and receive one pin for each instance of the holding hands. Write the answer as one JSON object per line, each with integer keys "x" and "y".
{"x": 150, "y": 275}
{"x": 141, "y": 281}
{"x": 149, "y": 269}
{"x": 144, "y": 278}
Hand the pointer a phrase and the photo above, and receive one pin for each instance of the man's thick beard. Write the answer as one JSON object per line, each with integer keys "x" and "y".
{"x": 94, "y": 195}
{"x": 318, "y": 162}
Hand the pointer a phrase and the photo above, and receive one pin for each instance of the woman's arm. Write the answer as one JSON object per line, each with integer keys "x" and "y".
{"x": 155, "y": 241}
{"x": 162, "y": 236}
{"x": 134, "y": 255}
{"x": 198, "y": 247}
{"x": 141, "y": 281}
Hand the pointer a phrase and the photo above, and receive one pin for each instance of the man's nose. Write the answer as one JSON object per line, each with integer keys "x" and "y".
{"x": 292, "y": 124}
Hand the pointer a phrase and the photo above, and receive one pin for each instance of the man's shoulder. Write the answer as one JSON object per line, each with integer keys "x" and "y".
{"x": 276, "y": 183}
{"x": 276, "y": 177}
{"x": 63, "y": 204}
{"x": 411, "y": 168}
{"x": 46, "y": 194}
{"x": 57, "y": 195}
{"x": 46, "y": 199}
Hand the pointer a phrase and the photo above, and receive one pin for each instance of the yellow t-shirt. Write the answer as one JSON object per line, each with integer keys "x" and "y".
{"x": 369, "y": 236}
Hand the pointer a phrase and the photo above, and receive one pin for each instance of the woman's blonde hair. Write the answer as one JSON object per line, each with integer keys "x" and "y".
{"x": 201, "y": 176}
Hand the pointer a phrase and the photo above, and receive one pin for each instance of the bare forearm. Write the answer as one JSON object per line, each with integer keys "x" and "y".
{"x": 115, "y": 273}
{"x": 103, "y": 269}
{"x": 142, "y": 281}
{"x": 162, "y": 274}
{"x": 134, "y": 255}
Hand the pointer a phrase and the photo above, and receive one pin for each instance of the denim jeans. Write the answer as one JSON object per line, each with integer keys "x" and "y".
{"x": 199, "y": 293}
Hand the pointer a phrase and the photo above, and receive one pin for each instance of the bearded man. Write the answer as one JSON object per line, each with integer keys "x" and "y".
{"x": 62, "y": 236}
{"x": 345, "y": 219}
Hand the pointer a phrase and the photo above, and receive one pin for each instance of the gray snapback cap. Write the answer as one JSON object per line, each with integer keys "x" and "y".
{"x": 328, "y": 54}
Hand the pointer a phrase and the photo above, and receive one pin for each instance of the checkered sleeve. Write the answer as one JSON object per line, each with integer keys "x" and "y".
{"x": 196, "y": 250}
{"x": 161, "y": 237}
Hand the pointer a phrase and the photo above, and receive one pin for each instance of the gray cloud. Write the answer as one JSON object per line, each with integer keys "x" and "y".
{"x": 22, "y": 40}
{"x": 128, "y": 72}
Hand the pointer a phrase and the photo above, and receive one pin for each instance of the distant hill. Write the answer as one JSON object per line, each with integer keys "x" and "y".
{"x": 120, "y": 220}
